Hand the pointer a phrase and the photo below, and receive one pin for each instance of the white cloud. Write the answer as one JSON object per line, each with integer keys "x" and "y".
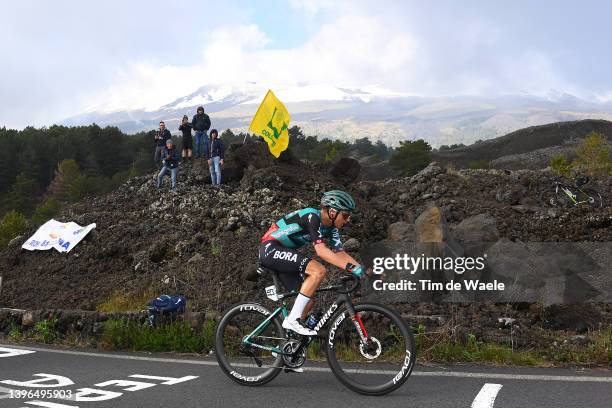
{"x": 354, "y": 51}
{"x": 148, "y": 86}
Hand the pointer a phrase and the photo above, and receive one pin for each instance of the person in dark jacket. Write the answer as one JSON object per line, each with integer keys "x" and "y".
{"x": 185, "y": 127}
{"x": 215, "y": 153}
{"x": 170, "y": 161}
{"x": 200, "y": 124}
{"x": 161, "y": 136}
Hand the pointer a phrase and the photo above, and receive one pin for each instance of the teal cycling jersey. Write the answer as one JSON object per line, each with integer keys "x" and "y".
{"x": 301, "y": 227}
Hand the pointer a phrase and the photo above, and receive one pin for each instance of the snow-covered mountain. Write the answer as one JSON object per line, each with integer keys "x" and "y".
{"x": 374, "y": 112}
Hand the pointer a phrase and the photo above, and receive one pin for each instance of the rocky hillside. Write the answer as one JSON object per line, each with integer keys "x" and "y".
{"x": 529, "y": 148}
{"x": 203, "y": 240}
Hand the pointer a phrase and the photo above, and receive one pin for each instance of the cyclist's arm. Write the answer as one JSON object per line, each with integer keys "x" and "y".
{"x": 346, "y": 258}
{"x": 330, "y": 256}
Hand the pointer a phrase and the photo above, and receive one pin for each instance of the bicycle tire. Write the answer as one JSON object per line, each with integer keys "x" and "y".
{"x": 551, "y": 197}
{"x": 394, "y": 381}
{"x": 597, "y": 200}
{"x": 233, "y": 372}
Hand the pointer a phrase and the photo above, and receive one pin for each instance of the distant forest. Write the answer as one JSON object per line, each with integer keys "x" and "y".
{"x": 33, "y": 162}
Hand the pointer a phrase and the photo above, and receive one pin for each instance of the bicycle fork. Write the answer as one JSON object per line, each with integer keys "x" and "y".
{"x": 357, "y": 322}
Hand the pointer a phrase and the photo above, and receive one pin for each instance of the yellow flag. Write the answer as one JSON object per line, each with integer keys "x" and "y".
{"x": 272, "y": 122}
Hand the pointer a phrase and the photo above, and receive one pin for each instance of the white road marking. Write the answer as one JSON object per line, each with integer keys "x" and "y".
{"x": 166, "y": 380}
{"x": 486, "y": 396}
{"x": 46, "y": 381}
{"x": 12, "y": 352}
{"x": 126, "y": 384}
{"x": 459, "y": 374}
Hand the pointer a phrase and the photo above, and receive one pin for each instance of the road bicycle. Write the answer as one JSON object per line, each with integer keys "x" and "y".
{"x": 563, "y": 195}
{"x": 369, "y": 347}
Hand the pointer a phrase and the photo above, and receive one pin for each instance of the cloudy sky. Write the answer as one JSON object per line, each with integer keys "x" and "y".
{"x": 61, "y": 58}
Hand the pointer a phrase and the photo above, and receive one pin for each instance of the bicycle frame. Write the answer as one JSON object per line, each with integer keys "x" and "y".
{"x": 342, "y": 299}
{"x": 568, "y": 192}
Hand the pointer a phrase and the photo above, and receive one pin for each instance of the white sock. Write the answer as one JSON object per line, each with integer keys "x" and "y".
{"x": 298, "y": 307}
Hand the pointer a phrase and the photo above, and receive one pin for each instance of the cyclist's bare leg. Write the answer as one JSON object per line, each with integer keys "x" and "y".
{"x": 315, "y": 273}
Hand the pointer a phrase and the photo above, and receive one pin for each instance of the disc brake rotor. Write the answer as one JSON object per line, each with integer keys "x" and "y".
{"x": 372, "y": 350}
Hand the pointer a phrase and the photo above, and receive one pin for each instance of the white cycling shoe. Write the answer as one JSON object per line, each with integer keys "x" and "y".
{"x": 298, "y": 327}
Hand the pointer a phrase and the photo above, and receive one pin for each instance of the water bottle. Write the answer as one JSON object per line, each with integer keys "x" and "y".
{"x": 312, "y": 321}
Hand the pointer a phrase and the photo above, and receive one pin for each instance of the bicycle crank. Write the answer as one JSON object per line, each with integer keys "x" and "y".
{"x": 294, "y": 354}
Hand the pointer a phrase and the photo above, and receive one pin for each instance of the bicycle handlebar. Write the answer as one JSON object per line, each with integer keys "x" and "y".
{"x": 342, "y": 288}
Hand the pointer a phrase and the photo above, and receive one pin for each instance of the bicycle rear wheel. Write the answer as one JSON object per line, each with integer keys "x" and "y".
{"x": 248, "y": 364}
{"x": 553, "y": 198}
{"x": 382, "y": 365}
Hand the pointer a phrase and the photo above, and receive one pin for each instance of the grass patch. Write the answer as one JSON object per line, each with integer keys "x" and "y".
{"x": 480, "y": 353}
{"x": 45, "y": 330}
{"x": 15, "y": 333}
{"x": 315, "y": 351}
{"x": 122, "y": 301}
{"x": 215, "y": 248}
{"x": 442, "y": 347}
{"x": 598, "y": 350}
{"x": 124, "y": 334}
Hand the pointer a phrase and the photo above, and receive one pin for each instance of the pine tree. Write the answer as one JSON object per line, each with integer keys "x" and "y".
{"x": 23, "y": 194}
{"x": 66, "y": 174}
{"x": 411, "y": 157}
{"x": 594, "y": 156}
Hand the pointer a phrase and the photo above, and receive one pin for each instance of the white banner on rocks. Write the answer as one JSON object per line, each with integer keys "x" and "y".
{"x": 62, "y": 236}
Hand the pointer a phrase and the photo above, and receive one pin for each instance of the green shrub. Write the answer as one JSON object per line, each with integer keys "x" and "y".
{"x": 594, "y": 156}
{"x": 15, "y": 333}
{"x": 560, "y": 165}
{"x": 47, "y": 210}
{"x": 12, "y": 224}
{"x": 45, "y": 330}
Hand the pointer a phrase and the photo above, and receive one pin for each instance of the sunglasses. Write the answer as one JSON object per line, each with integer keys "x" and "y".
{"x": 345, "y": 215}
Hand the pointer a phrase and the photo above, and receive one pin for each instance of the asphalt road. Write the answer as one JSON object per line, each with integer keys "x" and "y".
{"x": 193, "y": 381}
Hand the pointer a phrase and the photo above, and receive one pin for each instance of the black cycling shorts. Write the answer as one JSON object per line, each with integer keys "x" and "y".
{"x": 288, "y": 263}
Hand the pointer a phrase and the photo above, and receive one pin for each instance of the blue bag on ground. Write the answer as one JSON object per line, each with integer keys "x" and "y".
{"x": 166, "y": 306}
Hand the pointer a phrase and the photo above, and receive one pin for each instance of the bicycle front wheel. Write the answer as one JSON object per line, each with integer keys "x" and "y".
{"x": 249, "y": 362}
{"x": 380, "y": 366}
{"x": 591, "y": 197}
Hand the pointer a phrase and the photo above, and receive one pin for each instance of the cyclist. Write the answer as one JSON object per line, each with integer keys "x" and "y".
{"x": 294, "y": 230}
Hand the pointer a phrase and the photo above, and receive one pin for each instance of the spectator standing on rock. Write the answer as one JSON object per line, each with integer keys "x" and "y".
{"x": 215, "y": 153}
{"x": 170, "y": 162}
{"x": 185, "y": 127}
{"x": 200, "y": 124}
{"x": 161, "y": 136}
